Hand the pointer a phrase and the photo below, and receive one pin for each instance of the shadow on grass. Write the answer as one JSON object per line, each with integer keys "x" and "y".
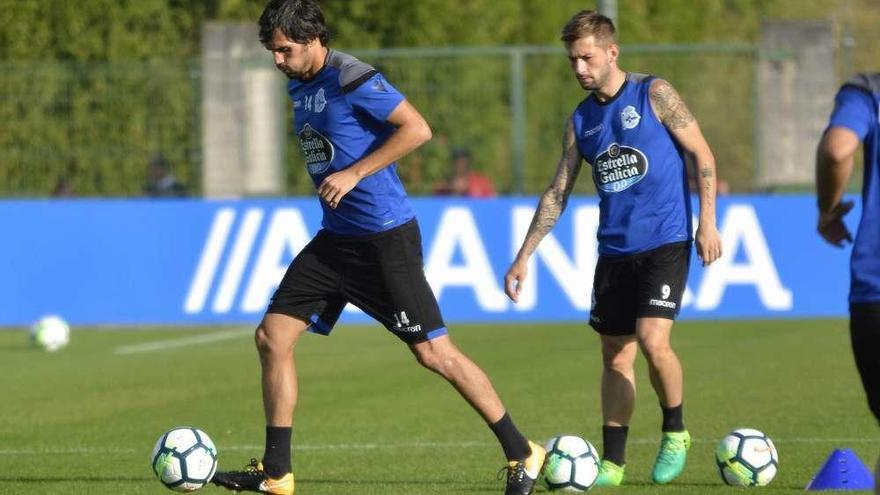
{"x": 86, "y": 479}
{"x": 453, "y": 486}
{"x": 696, "y": 484}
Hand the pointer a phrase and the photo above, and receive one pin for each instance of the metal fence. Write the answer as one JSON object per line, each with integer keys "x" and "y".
{"x": 94, "y": 127}
{"x": 509, "y": 106}
{"x": 91, "y": 128}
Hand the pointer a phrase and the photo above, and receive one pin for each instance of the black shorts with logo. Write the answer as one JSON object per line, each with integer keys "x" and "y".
{"x": 643, "y": 285}
{"x": 380, "y": 273}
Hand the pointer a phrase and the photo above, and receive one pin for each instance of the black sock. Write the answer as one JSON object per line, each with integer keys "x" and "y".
{"x": 614, "y": 443}
{"x": 516, "y": 447}
{"x": 276, "y": 457}
{"x": 672, "y": 418}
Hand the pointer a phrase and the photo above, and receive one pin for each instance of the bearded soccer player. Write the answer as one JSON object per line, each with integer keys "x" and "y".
{"x": 635, "y": 131}
{"x": 353, "y": 125}
{"x": 855, "y": 119}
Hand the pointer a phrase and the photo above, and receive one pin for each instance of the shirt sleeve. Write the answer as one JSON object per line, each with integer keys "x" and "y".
{"x": 375, "y": 96}
{"x": 853, "y": 109}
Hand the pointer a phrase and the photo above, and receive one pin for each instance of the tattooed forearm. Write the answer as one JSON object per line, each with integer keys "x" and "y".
{"x": 550, "y": 208}
{"x": 707, "y": 175}
{"x": 669, "y": 106}
{"x": 555, "y": 198}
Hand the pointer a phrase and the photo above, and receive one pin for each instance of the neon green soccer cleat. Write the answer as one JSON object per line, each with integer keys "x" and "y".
{"x": 672, "y": 456}
{"x": 610, "y": 474}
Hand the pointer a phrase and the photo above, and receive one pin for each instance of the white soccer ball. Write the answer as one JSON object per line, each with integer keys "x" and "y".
{"x": 572, "y": 464}
{"x": 184, "y": 459}
{"x": 51, "y": 333}
{"x": 746, "y": 457}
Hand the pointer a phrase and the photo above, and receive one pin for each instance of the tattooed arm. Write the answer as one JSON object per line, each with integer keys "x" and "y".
{"x": 550, "y": 207}
{"x": 681, "y": 124}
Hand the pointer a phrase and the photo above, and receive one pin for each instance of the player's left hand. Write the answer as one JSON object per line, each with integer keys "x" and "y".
{"x": 336, "y": 185}
{"x": 831, "y": 226}
{"x": 708, "y": 242}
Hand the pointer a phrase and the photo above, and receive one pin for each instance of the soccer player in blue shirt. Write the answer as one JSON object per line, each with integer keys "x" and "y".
{"x": 635, "y": 131}
{"x": 353, "y": 125}
{"x": 855, "y": 119}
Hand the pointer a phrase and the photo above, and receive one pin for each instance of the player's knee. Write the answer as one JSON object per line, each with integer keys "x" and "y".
{"x": 261, "y": 339}
{"x": 266, "y": 345}
{"x": 440, "y": 361}
{"x": 655, "y": 348}
{"x": 617, "y": 357}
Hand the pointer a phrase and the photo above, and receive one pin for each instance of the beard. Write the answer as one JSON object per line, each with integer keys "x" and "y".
{"x": 596, "y": 81}
{"x": 287, "y": 71}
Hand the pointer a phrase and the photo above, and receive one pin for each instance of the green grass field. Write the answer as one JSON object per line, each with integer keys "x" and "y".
{"x": 371, "y": 421}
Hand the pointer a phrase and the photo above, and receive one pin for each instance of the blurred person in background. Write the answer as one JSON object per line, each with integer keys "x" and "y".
{"x": 464, "y": 180}
{"x": 636, "y": 133}
{"x": 855, "y": 120}
{"x": 353, "y": 126}
{"x": 62, "y": 188}
{"x": 161, "y": 182}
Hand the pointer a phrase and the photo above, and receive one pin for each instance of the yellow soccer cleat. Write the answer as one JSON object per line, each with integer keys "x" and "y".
{"x": 522, "y": 475}
{"x": 254, "y": 479}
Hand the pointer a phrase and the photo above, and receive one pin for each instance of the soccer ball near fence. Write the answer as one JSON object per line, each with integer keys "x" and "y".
{"x": 184, "y": 459}
{"x": 572, "y": 464}
{"x": 51, "y": 333}
{"x": 746, "y": 457}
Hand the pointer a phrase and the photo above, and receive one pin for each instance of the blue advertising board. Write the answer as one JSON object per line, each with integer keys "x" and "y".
{"x": 203, "y": 261}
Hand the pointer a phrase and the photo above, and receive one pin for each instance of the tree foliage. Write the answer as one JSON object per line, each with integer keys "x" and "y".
{"x": 92, "y": 88}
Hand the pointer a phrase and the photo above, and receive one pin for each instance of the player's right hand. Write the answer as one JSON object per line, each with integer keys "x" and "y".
{"x": 831, "y": 226}
{"x": 514, "y": 279}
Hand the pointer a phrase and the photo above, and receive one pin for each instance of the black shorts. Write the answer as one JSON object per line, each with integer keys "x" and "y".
{"x": 382, "y": 274}
{"x": 644, "y": 285}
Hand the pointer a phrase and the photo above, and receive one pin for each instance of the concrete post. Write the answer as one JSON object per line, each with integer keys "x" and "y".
{"x": 796, "y": 86}
{"x": 243, "y": 112}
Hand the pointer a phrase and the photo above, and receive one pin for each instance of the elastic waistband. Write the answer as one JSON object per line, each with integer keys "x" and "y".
{"x": 367, "y": 237}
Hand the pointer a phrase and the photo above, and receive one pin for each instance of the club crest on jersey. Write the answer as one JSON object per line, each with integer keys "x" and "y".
{"x": 317, "y": 150}
{"x": 619, "y": 167}
{"x": 629, "y": 117}
{"x": 320, "y": 101}
{"x": 378, "y": 85}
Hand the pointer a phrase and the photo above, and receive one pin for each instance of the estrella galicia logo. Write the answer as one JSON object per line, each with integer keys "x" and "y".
{"x": 317, "y": 150}
{"x": 619, "y": 167}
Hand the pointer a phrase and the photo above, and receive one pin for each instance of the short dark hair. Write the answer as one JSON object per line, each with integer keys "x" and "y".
{"x": 300, "y": 20}
{"x": 588, "y": 23}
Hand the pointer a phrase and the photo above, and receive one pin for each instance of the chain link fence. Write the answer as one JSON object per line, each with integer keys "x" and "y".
{"x": 89, "y": 129}
{"x": 93, "y": 128}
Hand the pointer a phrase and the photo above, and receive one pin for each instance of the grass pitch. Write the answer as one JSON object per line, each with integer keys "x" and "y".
{"x": 371, "y": 421}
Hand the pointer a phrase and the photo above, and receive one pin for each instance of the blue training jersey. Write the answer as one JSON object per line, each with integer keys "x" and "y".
{"x": 638, "y": 169}
{"x": 340, "y": 116}
{"x": 857, "y": 107}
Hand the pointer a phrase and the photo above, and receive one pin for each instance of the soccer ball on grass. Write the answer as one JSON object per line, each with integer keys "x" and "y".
{"x": 746, "y": 457}
{"x": 50, "y": 332}
{"x": 184, "y": 459}
{"x": 572, "y": 464}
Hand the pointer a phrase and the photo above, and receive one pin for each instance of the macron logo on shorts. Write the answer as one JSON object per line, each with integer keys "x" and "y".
{"x": 663, "y": 303}
{"x": 400, "y": 319}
